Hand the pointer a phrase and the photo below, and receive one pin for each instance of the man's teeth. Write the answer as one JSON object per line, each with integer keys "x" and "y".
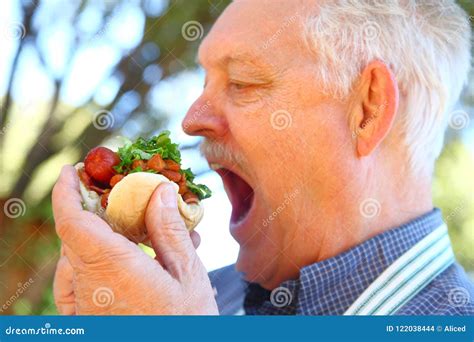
{"x": 215, "y": 166}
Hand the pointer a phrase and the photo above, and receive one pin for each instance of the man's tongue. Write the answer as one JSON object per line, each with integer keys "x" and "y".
{"x": 239, "y": 193}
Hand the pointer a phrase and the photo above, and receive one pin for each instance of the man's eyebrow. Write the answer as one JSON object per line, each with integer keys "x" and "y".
{"x": 244, "y": 58}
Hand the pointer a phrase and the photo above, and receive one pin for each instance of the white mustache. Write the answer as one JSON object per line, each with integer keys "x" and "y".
{"x": 218, "y": 151}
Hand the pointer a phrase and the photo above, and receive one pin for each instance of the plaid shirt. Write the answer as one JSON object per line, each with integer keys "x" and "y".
{"x": 329, "y": 287}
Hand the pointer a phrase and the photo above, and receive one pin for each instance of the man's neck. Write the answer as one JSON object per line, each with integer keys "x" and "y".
{"x": 375, "y": 211}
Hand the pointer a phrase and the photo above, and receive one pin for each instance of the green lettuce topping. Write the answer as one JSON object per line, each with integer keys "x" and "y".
{"x": 144, "y": 149}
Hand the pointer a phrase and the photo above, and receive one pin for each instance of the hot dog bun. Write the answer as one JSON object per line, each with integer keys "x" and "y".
{"x": 127, "y": 203}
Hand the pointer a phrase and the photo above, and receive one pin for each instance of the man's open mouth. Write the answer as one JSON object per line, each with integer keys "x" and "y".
{"x": 240, "y": 193}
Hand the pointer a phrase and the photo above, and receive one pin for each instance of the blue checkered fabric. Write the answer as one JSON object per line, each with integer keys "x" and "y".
{"x": 329, "y": 287}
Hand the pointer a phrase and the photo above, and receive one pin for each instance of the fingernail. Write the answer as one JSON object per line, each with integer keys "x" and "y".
{"x": 168, "y": 196}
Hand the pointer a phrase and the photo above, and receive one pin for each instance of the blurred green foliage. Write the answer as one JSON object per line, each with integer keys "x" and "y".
{"x": 453, "y": 193}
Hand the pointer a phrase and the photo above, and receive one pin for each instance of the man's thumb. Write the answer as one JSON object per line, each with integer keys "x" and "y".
{"x": 167, "y": 232}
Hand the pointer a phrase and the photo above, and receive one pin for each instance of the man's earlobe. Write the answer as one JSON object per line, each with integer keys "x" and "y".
{"x": 374, "y": 107}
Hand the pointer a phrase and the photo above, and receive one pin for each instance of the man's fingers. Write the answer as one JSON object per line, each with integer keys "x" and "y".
{"x": 66, "y": 196}
{"x": 63, "y": 288}
{"x": 168, "y": 234}
{"x": 84, "y": 232}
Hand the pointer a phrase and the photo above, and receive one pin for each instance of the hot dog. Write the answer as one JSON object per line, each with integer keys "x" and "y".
{"x": 118, "y": 185}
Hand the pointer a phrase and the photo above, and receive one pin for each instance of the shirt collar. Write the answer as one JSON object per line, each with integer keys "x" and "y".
{"x": 330, "y": 286}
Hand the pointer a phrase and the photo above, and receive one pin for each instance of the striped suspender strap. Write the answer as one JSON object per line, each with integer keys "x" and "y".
{"x": 407, "y": 276}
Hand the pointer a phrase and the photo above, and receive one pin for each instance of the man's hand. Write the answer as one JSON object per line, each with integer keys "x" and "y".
{"x": 102, "y": 272}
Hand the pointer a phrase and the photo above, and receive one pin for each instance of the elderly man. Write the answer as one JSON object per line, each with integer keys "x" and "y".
{"x": 324, "y": 120}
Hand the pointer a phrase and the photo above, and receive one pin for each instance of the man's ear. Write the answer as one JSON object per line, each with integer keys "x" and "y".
{"x": 373, "y": 108}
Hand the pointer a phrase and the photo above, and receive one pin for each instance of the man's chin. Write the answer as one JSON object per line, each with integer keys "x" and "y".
{"x": 256, "y": 270}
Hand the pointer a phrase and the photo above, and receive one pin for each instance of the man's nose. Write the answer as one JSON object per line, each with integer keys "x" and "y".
{"x": 203, "y": 118}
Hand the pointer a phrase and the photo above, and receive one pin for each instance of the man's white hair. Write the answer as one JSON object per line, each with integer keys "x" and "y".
{"x": 426, "y": 44}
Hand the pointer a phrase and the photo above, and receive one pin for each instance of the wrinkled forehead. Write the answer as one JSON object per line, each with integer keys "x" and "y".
{"x": 266, "y": 29}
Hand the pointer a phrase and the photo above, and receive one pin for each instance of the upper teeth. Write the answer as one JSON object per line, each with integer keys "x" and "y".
{"x": 215, "y": 166}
